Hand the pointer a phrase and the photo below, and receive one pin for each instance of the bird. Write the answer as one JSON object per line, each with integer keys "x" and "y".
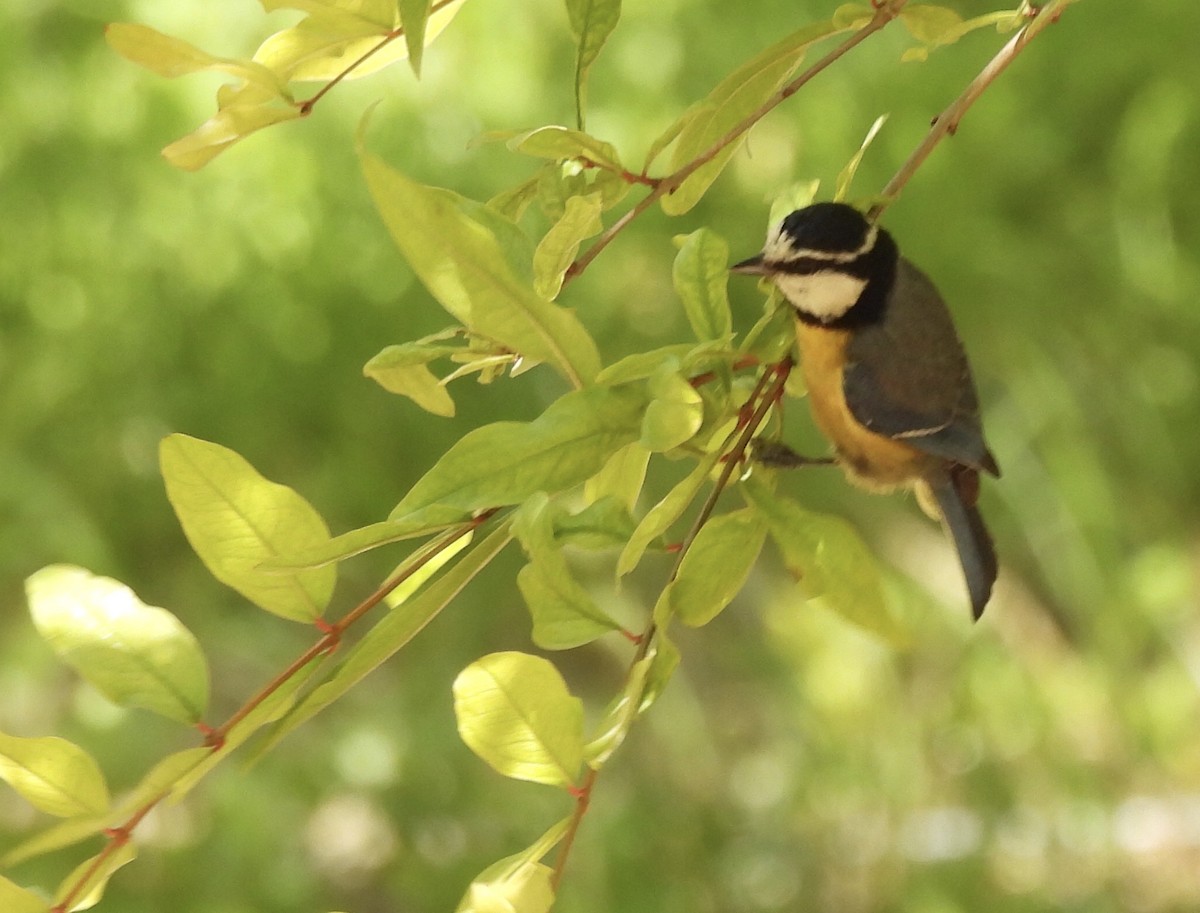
{"x": 888, "y": 379}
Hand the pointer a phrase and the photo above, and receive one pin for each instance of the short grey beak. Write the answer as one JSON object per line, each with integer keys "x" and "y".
{"x": 751, "y": 267}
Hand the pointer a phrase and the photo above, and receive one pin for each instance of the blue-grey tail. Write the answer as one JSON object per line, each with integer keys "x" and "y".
{"x": 955, "y": 495}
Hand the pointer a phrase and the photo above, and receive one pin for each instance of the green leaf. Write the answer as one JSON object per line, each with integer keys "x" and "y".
{"x": 605, "y": 523}
{"x": 564, "y": 615}
{"x": 335, "y": 35}
{"x": 515, "y": 712}
{"x": 87, "y": 881}
{"x": 737, "y": 96}
{"x": 511, "y": 204}
{"x": 562, "y": 143}
{"x": 556, "y": 251}
{"x": 136, "y": 655}
{"x": 518, "y": 883}
{"x": 414, "y": 14}
{"x": 416, "y": 382}
{"x": 853, "y": 15}
{"x": 235, "y": 520}
{"x": 675, "y": 413}
{"x": 364, "y": 539}
{"x": 505, "y": 462}
{"x": 619, "y": 716}
{"x": 460, "y": 260}
{"x": 700, "y": 274}
{"x": 15, "y": 899}
{"x": 846, "y": 175}
{"x": 829, "y": 559}
{"x": 660, "y": 517}
{"x": 53, "y": 775}
{"x": 716, "y": 566}
{"x": 393, "y": 631}
{"x": 621, "y": 478}
{"x": 222, "y": 130}
{"x": 931, "y": 24}
{"x": 592, "y": 21}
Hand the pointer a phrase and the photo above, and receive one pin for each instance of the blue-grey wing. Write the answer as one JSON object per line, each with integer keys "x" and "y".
{"x": 907, "y": 377}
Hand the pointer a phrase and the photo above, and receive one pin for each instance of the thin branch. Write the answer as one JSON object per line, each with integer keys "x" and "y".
{"x": 766, "y": 393}
{"x": 885, "y": 12}
{"x": 946, "y": 123}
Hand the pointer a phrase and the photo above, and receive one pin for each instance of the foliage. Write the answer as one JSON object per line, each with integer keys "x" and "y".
{"x": 566, "y": 484}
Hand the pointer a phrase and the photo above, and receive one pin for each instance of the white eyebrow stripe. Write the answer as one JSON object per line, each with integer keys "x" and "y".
{"x": 836, "y": 256}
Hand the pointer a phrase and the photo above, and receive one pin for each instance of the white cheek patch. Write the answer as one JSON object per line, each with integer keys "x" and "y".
{"x": 826, "y": 295}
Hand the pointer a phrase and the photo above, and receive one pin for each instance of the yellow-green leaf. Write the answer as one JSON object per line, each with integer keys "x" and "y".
{"x": 222, "y": 130}
{"x": 675, "y": 413}
{"x": 235, "y": 520}
{"x": 53, "y": 775}
{"x": 716, "y": 566}
{"x": 515, "y": 712}
{"x": 660, "y": 517}
{"x": 416, "y": 382}
{"x": 460, "y": 260}
{"x": 136, "y": 655}
{"x": 700, "y": 274}
{"x": 846, "y": 175}
{"x": 559, "y": 143}
{"x": 414, "y": 14}
{"x": 505, "y": 462}
{"x": 86, "y": 883}
{"x": 15, "y": 899}
{"x": 592, "y": 21}
{"x": 517, "y": 883}
{"x": 557, "y": 250}
{"x": 829, "y": 559}
{"x": 737, "y": 96}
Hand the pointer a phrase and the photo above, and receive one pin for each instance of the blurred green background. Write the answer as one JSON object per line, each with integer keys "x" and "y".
{"x": 1046, "y": 759}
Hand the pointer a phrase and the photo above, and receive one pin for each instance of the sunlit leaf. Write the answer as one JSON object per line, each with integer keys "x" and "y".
{"x": 557, "y": 250}
{"x": 737, "y": 96}
{"x": 221, "y": 131}
{"x": 716, "y": 566}
{"x": 136, "y": 655}
{"x": 619, "y": 716}
{"x": 171, "y": 57}
{"x": 63, "y": 834}
{"x": 700, "y": 274}
{"x": 235, "y": 520}
{"x": 505, "y": 462}
{"x": 517, "y": 883}
{"x": 86, "y": 883}
{"x": 15, "y": 899}
{"x": 461, "y": 262}
{"x": 515, "y": 712}
{"x": 53, "y": 775}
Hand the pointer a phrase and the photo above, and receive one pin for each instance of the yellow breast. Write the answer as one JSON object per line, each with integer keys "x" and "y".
{"x": 870, "y": 460}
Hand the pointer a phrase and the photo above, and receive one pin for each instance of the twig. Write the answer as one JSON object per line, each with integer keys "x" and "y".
{"x": 766, "y": 393}
{"x": 885, "y": 12}
{"x": 306, "y": 107}
{"x": 946, "y": 123}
